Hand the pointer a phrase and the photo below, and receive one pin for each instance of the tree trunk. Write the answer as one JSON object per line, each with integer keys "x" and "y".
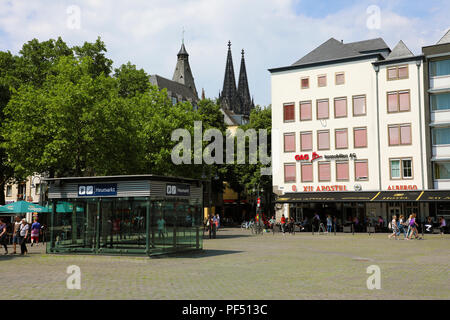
{"x": 2, "y": 193}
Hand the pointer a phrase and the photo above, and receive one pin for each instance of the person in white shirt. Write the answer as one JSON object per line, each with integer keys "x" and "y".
{"x": 24, "y": 227}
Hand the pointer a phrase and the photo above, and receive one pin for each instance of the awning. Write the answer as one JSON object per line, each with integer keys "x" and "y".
{"x": 369, "y": 196}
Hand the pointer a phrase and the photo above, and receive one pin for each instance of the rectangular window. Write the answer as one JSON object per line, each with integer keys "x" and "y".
{"x": 399, "y": 72}
{"x": 289, "y": 112}
{"x": 440, "y": 101}
{"x": 392, "y": 73}
{"x": 306, "y": 142}
{"x": 359, "y": 105}
{"x": 323, "y": 111}
{"x": 289, "y": 142}
{"x": 305, "y": 110}
{"x": 440, "y": 68}
{"x": 340, "y": 78}
{"x": 440, "y": 136}
{"x": 407, "y": 169}
{"x": 289, "y": 172}
{"x": 340, "y": 107}
{"x": 442, "y": 170}
{"x": 403, "y": 72}
{"x": 322, "y": 81}
{"x": 342, "y": 171}
{"x": 360, "y": 137}
{"x": 341, "y": 137}
{"x": 37, "y": 190}
{"x": 305, "y": 83}
{"x": 323, "y": 140}
{"x": 9, "y": 191}
{"x": 395, "y": 169}
{"x": 361, "y": 170}
{"x": 398, "y": 101}
{"x": 399, "y": 134}
{"x": 307, "y": 172}
{"x": 324, "y": 171}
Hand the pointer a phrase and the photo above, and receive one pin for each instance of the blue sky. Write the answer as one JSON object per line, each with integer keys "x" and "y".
{"x": 273, "y": 32}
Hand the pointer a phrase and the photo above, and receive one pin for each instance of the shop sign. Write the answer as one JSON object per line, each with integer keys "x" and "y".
{"x": 330, "y": 188}
{"x": 315, "y": 156}
{"x": 402, "y": 187}
{"x": 178, "y": 190}
{"x": 97, "y": 190}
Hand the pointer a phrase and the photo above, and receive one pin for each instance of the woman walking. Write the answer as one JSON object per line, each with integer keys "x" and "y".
{"x": 394, "y": 228}
{"x": 3, "y": 235}
{"x": 23, "y": 237}
{"x": 413, "y": 227}
{"x": 402, "y": 225}
{"x": 442, "y": 225}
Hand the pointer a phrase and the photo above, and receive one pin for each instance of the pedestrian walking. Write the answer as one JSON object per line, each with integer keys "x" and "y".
{"x": 35, "y": 230}
{"x": 442, "y": 225}
{"x": 402, "y": 225}
{"x": 161, "y": 226}
{"x": 217, "y": 221}
{"x": 329, "y": 224}
{"x": 394, "y": 227}
{"x": 24, "y": 227}
{"x": 3, "y": 235}
{"x": 283, "y": 223}
{"x": 16, "y": 233}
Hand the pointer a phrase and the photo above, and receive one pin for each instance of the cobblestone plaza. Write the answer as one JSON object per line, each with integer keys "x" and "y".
{"x": 238, "y": 265}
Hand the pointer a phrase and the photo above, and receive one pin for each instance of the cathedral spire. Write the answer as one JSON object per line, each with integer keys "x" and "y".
{"x": 228, "y": 95}
{"x": 183, "y": 73}
{"x": 243, "y": 90}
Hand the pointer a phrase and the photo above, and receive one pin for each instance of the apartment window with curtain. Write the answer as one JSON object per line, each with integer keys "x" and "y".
{"x": 324, "y": 171}
{"x": 399, "y": 134}
{"x": 401, "y": 169}
{"x": 289, "y": 112}
{"x": 359, "y": 105}
{"x": 307, "y": 172}
{"x": 305, "y": 110}
{"x": 289, "y": 172}
{"x": 398, "y": 101}
{"x": 306, "y": 143}
{"x": 323, "y": 110}
{"x": 289, "y": 142}
{"x": 398, "y": 72}
{"x": 304, "y": 83}
{"x": 442, "y": 170}
{"x": 323, "y": 140}
{"x": 340, "y": 78}
{"x": 361, "y": 170}
{"x": 440, "y": 136}
{"x": 360, "y": 137}
{"x": 9, "y": 191}
{"x": 341, "y": 138}
{"x": 340, "y": 107}
{"x": 342, "y": 171}
{"x": 322, "y": 80}
{"x": 440, "y": 68}
{"x": 440, "y": 102}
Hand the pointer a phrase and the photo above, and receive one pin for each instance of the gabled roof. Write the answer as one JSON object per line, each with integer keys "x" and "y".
{"x": 174, "y": 87}
{"x": 400, "y": 51}
{"x": 333, "y": 49}
{"x": 445, "y": 38}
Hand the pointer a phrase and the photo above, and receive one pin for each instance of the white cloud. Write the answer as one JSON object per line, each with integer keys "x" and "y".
{"x": 148, "y": 33}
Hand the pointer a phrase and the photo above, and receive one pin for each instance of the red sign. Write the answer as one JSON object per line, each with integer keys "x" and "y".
{"x": 331, "y": 188}
{"x": 306, "y": 157}
{"x": 403, "y": 187}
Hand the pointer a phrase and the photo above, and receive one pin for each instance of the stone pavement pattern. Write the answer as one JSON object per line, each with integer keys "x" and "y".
{"x": 238, "y": 265}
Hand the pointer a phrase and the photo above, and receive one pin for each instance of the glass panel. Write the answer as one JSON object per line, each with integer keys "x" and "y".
{"x": 407, "y": 168}
{"x": 359, "y": 106}
{"x": 394, "y": 136}
{"x": 289, "y": 173}
{"x": 307, "y": 172}
{"x": 403, "y": 72}
{"x": 289, "y": 142}
{"x": 361, "y": 170}
{"x": 392, "y": 73}
{"x": 341, "y": 139}
{"x": 405, "y": 134}
{"x": 322, "y": 110}
{"x": 305, "y": 83}
{"x": 289, "y": 113}
{"x": 440, "y": 68}
{"x": 395, "y": 169}
{"x": 306, "y": 141}
{"x": 342, "y": 171}
{"x": 360, "y": 138}
{"x": 324, "y": 140}
{"x": 340, "y": 108}
{"x": 324, "y": 172}
{"x": 305, "y": 111}
{"x": 404, "y": 101}
{"x": 392, "y": 102}
{"x": 322, "y": 81}
{"x": 442, "y": 170}
{"x": 440, "y": 101}
{"x": 340, "y": 78}
{"x": 441, "y": 136}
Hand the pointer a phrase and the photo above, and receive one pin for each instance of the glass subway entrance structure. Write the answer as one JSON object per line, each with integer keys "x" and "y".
{"x": 143, "y": 214}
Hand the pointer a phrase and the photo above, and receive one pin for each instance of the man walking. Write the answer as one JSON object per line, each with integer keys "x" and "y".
{"x": 23, "y": 231}
{"x": 16, "y": 233}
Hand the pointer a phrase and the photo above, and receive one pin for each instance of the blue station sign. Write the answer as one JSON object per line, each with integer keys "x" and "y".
{"x": 97, "y": 190}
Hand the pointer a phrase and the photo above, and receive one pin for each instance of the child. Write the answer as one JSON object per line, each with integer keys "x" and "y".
{"x": 394, "y": 228}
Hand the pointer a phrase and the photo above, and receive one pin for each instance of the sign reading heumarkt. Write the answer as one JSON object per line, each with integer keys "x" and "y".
{"x": 178, "y": 190}
{"x": 97, "y": 190}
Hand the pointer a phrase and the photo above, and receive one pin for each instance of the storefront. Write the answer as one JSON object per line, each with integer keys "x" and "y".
{"x": 143, "y": 214}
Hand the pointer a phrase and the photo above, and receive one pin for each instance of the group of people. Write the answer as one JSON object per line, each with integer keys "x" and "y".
{"x": 21, "y": 230}
{"x": 212, "y": 224}
{"x": 409, "y": 227}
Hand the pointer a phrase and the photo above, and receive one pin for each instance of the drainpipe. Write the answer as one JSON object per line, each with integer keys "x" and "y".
{"x": 377, "y": 69}
{"x": 418, "y": 63}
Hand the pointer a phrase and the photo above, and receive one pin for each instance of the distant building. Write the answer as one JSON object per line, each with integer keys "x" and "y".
{"x": 182, "y": 86}
{"x": 235, "y": 102}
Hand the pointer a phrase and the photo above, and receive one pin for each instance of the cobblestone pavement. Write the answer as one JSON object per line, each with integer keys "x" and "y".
{"x": 238, "y": 265}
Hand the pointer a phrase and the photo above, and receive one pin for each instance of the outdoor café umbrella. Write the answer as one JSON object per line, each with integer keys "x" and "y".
{"x": 23, "y": 207}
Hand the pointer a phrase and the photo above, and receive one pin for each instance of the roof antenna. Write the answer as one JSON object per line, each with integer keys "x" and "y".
{"x": 182, "y": 36}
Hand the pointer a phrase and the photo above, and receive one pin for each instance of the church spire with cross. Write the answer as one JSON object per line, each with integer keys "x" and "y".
{"x": 243, "y": 90}
{"x": 228, "y": 95}
{"x": 183, "y": 73}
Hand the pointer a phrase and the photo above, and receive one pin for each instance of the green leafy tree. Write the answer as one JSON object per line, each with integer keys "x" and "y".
{"x": 131, "y": 81}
